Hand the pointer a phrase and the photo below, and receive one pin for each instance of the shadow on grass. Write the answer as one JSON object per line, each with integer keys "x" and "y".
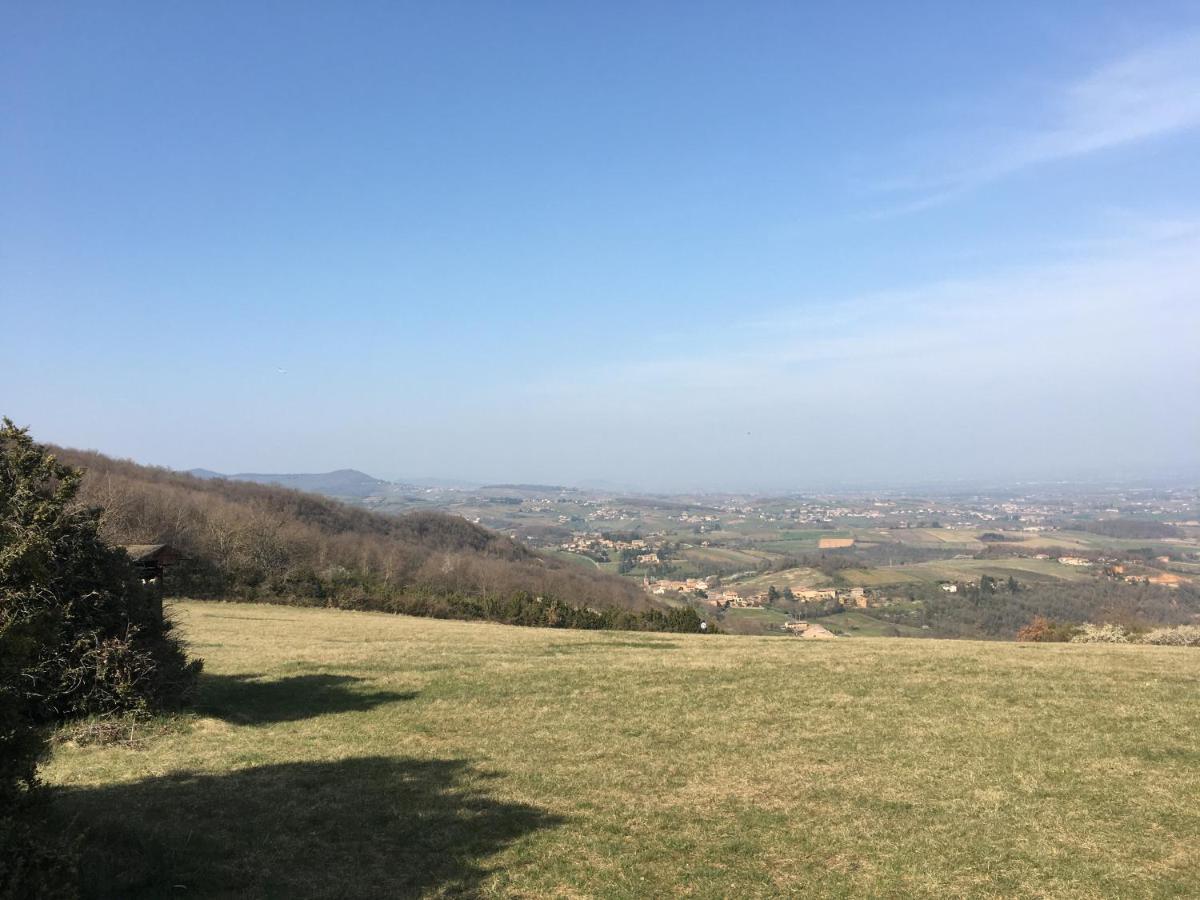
{"x": 245, "y": 700}
{"x": 366, "y": 827}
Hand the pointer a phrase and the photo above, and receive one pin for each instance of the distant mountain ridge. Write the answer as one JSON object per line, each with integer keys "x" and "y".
{"x": 339, "y": 483}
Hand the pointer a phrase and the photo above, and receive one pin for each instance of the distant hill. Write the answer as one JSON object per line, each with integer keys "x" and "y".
{"x": 254, "y": 541}
{"x": 341, "y": 483}
{"x": 205, "y": 473}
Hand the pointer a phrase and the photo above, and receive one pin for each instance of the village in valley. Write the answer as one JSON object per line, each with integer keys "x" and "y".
{"x": 829, "y": 564}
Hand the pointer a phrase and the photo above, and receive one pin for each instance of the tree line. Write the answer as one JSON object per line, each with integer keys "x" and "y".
{"x": 523, "y": 608}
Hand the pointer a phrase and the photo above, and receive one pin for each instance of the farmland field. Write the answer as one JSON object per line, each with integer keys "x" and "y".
{"x": 354, "y": 755}
{"x": 759, "y": 619}
{"x": 938, "y": 536}
{"x": 1021, "y": 569}
{"x": 1063, "y": 540}
{"x": 720, "y": 556}
{"x": 966, "y": 570}
{"x": 882, "y": 576}
{"x": 799, "y": 578}
{"x": 860, "y": 624}
{"x": 1103, "y": 542}
{"x": 967, "y": 539}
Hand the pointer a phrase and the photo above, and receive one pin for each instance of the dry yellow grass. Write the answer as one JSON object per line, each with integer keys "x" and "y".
{"x": 352, "y": 754}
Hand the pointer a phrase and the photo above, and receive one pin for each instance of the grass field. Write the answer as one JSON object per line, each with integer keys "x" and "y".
{"x": 931, "y": 536}
{"x": 1103, "y": 542}
{"x": 883, "y": 576}
{"x": 743, "y": 620}
{"x": 575, "y": 559}
{"x": 1021, "y": 569}
{"x": 356, "y": 755}
{"x": 798, "y": 579}
{"x": 967, "y": 539}
{"x": 721, "y": 556}
{"x": 1024, "y": 570}
{"x": 860, "y": 624}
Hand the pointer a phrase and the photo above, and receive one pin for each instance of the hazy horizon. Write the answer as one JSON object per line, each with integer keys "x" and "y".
{"x": 712, "y": 249}
{"x": 1182, "y": 480}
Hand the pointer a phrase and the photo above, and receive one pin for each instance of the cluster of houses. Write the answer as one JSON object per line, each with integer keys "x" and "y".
{"x": 700, "y": 586}
{"x": 734, "y": 600}
{"x": 666, "y": 585}
{"x": 730, "y": 599}
{"x": 593, "y": 542}
{"x": 809, "y": 630}
{"x": 697, "y": 518}
{"x": 610, "y": 514}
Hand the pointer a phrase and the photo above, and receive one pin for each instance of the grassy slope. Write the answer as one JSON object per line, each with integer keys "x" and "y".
{"x": 576, "y": 559}
{"x": 753, "y": 620}
{"x": 966, "y": 570}
{"x": 798, "y": 579}
{"x": 354, "y": 754}
{"x": 722, "y": 556}
{"x": 857, "y": 623}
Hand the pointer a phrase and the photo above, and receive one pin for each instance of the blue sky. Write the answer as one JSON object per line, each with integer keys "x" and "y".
{"x": 671, "y": 246}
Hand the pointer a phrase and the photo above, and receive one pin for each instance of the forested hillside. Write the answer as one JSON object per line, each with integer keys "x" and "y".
{"x": 260, "y": 542}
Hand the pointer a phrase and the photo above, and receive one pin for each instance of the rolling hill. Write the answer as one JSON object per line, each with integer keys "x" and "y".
{"x": 348, "y": 483}
{"x": 254, "y": 541}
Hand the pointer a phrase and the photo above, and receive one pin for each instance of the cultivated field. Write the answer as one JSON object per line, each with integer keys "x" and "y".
{"x": 1024, "y": 570}
{"x": 353, "y": 755}
{"x": 798, "y": 579}
{"x": 719, "y": 556}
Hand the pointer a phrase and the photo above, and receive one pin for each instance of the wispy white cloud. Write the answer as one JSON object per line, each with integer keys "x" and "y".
{"x": 1089, "y": 364}
{"x": 1134, "y": 298}
{"x": 1151, "y": 93}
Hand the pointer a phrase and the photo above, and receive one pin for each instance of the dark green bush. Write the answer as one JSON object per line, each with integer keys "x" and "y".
{"x": 79, "y": 635}
{"x": 102, "y": 645}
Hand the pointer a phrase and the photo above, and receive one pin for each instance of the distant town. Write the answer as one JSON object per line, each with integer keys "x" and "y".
{"x": 869, "y": 563}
